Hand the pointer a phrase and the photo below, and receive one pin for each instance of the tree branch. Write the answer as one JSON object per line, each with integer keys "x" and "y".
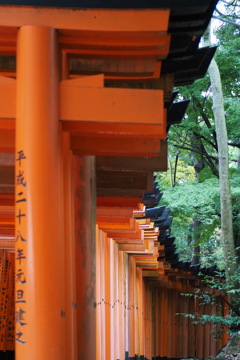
{"x": 210, "y": 162}
{"x": 219, "y": 12}
{"x": 227, "y": 21}
{"x": 206, "y": 120}
{"x": 231, "y": 3}
{"x": 182, "y": 139}
{"x": 194, "y": 150}
{"x": 207, "y": 140}
{"x": 175, "y": 169}
{"x": 237, "y": 145}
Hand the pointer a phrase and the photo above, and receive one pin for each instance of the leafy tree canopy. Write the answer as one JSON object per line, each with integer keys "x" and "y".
{"x": 189, "y": 198}
{"x": 199, "y": 117}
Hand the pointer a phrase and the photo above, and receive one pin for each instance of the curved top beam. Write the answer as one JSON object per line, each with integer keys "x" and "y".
{"x": 87, "y": 20}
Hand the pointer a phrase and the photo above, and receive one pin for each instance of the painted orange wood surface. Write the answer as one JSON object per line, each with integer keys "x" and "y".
{"x": 118, "y": 146}
{"x": 109, "y": 42}
{"x": 7, "y": 141}
{"x": 7, "y": 124}
{"x": 115, "y": 129}
{"x": 39, "y": 231}
{"x": 85, "y": 254}
{"x": 70, "y": 271}
{"x": 146, "y": 21}
{"x": 8, "y": 97}
{"x": 110, "y": 105}
{"x": 150, "y": 164}
{"x": 131, "y": 202}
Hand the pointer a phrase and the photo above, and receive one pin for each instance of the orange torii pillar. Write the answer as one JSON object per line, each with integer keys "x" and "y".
{"x": 70, "y": 278}
{"x": 40, "y": 304}
{"x": 69, "y": 239}
{"x": 84, "y": 189}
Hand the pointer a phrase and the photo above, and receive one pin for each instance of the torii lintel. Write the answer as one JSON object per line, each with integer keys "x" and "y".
{"x": 86, "y": 100}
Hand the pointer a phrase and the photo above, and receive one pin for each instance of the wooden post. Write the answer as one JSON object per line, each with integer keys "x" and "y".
{"x": 103, "y": 296}
{"x": 148, "y": 317}
{"x": 70, "y": 278}
{"x": 169, "y": 330}
{"x": 71, "y": 333}
{"x": 140, "y": 308}
{"x": 40, "y": 305}
{"x": 85, "y": 248}
{"x": 158, "y": 327}
{"x": 126, "y": 301}
{"x": 107, "y": 297}
{"x": 121, "y": 303}
{"x": 99, "y": 318}
{"x": 115, "y": 302}
{"x": 131, "y": 317}
{"x": 144, "y": 316}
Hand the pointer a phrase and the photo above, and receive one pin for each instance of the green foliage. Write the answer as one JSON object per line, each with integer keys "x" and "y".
{"x": 199, "y": 117}
{"x": 229, "y": 48}
{"x": 190, "y": 198}
{"x": 228, "y": 321}
{"x": 232, "y": 110}
{"x": 205, "y": 174}
{"x": 184, "y": 173}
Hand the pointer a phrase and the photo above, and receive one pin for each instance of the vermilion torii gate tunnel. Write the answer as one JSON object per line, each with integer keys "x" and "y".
{"x": 85, "y": 104}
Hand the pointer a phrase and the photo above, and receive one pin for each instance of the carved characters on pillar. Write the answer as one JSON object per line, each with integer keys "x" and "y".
{"x": 21, "y": 241}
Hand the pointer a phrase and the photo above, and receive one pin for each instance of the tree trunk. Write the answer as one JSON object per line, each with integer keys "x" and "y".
{"x": 170, "y": 172}
{"x": 238, "y": 161}
{"x": 225, "y": 193}
{"x": 198, "y": 163}
{"x": 196, "y": 247}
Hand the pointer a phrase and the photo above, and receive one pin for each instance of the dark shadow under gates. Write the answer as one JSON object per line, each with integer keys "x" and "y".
{"x": 7, "y": 355}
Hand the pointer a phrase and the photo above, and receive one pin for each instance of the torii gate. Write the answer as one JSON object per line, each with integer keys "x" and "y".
{"x": 48, "y": 107}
